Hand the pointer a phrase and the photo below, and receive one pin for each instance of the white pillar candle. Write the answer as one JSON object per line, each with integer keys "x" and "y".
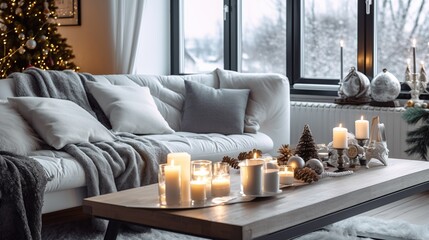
{"x": 221, "y": 186}
{"x": 198, "y": 191}
{"x": 286, "y": 176}
{"x": 183, "y": 160}
{"x": 251, "y": 176}
{"x": 172, "y": 184}
{"x": 271, "y": 180}
{"x": 362, "y": 129}
{"x": 340, "y": 137}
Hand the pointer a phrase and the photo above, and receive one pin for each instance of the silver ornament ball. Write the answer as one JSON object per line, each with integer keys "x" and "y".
{"x": 296, "y": 162}
{"x": 3, "y": 5}
{"x": 31, "y": 44}
{"x": 316, "y": 165}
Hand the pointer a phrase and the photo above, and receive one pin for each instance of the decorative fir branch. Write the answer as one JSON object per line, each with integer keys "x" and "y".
{"x": 417, "y": 139}
{"x": 414, "y": 114}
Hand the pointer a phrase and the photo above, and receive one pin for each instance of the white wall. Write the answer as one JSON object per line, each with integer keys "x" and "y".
{"x": 92, "y": 44}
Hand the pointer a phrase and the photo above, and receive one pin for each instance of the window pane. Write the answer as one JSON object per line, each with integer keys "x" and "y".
{"x": 325, "y": 23}
{"x": 263, "y": 37}
{"x": 398, "y": 22}
{"x": 203, "y": 35}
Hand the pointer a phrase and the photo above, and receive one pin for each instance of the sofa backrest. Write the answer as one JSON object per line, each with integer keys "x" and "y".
{"x": 269, "y": 97}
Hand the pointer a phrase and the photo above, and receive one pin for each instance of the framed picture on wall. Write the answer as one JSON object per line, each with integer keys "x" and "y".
{"x": 68, "y": 12}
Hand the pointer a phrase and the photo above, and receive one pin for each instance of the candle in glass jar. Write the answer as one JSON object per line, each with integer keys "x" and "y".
{"x": 339, "y": 137}
{"x": 198, "y": 190}
{"x": 362, "y": 128}
{"x": 286, "y": 175}
{"x": 221, "y": 186}
{"x": 172, "y": 184}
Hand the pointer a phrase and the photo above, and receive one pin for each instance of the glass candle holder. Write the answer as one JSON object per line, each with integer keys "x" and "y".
{"x": 286, "y": 174}
{"x": 221, "y": 183}
{"x": 201, "y": 177}
{"x": 169, "y": 183}
{"x": 251, "y": 176}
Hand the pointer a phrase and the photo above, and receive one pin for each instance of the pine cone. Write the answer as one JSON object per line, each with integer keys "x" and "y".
{"x": 233, "y": 162}
{"x": 307, "y": 175}
{"x": 285, "y": 154}
{"x": 243, "y": 156}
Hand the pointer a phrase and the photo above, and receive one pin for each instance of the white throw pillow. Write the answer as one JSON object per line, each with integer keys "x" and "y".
{"x": 129, "y": 108}
{"x": 60, "y": 122}
{"x": 15, "y": 134}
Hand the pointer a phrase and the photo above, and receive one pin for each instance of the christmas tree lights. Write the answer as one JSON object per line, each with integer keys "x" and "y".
{"x": 29, "y": 37}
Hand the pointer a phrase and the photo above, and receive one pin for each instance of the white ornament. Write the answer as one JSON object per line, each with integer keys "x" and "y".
{"x": 385, "y": 87}
{"x": 21, "y": 50}
{"x": 31, "y": 44}
{"x": 21, "y": 36}
{"x": 3, "y": 5}
{"x": 378, "y": 151}
{"x": 3, "y": 27}
{"x": 42, "y": 38}
{"x": 18, "y": 11}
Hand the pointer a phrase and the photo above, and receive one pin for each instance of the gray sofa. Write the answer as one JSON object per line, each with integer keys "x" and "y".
{"x": 266, "y": 126}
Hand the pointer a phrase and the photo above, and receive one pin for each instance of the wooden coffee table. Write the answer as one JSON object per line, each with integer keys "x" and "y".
{"x": 294, "y": 212}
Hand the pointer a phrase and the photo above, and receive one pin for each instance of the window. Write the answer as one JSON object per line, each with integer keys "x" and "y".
{"x": 326, "y": 25}
{"x": 398, "y": 23}
{"x": 202, "y": 43}
{"x": 301, "y": 38}
{"x": 263, "y": 36}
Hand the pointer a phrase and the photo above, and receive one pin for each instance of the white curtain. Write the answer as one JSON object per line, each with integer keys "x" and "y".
{"x": 125, "y": 28}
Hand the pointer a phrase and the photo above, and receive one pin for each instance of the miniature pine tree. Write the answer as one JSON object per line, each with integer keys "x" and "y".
{"x": 417, "y": 139}
{"x": 28, "y": 31}
{"x": 306, "y": 147}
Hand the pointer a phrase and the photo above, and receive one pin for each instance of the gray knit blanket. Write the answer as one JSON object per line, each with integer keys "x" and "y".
{"x": 67, "y": 84}
{"x": 22, "y": 186}
{"x": 128, "y": 162}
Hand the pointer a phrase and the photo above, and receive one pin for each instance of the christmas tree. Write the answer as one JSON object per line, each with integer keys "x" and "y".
{"x": 306, "y": 147}
{"x": 417, "y": 139}
{"x": 28, "y": 31}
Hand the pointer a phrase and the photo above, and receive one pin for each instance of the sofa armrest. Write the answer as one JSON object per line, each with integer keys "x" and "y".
{"x": 268, "y": 109}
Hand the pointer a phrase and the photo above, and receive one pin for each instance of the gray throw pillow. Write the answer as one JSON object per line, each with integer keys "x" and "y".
{"x": 210, "y": 110}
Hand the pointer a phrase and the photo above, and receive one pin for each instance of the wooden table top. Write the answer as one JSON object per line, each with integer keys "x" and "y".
{"x": 263, "y": 216}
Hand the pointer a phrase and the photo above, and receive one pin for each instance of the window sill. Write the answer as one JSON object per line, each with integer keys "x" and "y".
{"x": 327, "y": 93}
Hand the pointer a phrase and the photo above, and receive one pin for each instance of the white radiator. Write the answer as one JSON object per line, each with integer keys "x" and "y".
{"x": 323, "y": 117}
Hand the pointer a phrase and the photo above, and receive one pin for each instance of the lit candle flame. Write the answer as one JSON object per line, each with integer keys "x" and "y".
{"x": 254, "y": 155}
{"x": 341, "y": 43}
{"x": 361, "y": 117}
{"x": 341, "y": 125}
{"x": 408, "y": 61}
{"x": 414, "y": 41}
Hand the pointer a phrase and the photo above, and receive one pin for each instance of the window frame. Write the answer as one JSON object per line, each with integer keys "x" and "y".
{"x": 366, "y": 44}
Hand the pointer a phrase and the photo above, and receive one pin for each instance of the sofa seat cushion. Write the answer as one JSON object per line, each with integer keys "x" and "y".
{"x": 63, "y": 171}
{"x": 214, "y": 146}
